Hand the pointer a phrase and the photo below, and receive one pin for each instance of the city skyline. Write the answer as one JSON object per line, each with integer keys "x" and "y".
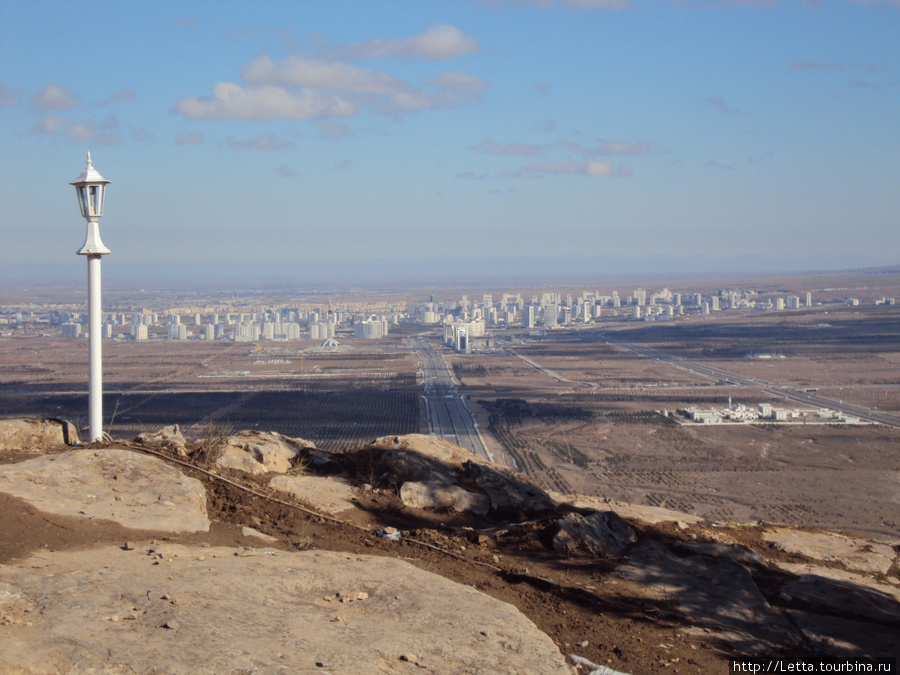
{"x": 260, "y": 142}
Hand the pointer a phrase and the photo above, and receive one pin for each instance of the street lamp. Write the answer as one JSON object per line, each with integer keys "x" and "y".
{"x": 91, "y": 189}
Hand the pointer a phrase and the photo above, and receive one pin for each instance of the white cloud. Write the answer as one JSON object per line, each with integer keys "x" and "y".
{"x": 298, "y": 72}
{"x": 607, "y": 148}
{"x": 124, "y": 96}
{"x": 567, "y": 167}
{"x": 716, "y": 164}
{"x": 189, "y": 139}
{"x": 285, "y": 171}
{"x": 53, "y": 97}
{"x": 523, "y": 149}
{"x": 597, "y": 4}
{"x": 437, "y": 43}
{"x": 89, "y": 131}
{"x": 9, "y": 95}
{"x": 329, "y": 129}
{"x": 812, "y": 65}
{"x": 231, "y": 101}
{"x": 266, "y": 142}
{"x": 720, "y": 104}
{"x": 447, "y": 90}
{"x": 471, "y": 175}
{"x": 576, "y": 4}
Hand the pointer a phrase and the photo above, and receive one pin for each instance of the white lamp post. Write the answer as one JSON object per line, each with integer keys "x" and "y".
{"x": 91, "y": 189}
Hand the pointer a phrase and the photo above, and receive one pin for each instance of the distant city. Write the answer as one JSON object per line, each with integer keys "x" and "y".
{"x": 465, "y": 321}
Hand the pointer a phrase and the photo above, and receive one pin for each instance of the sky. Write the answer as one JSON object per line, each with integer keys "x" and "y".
{"x": 254, "y": 142}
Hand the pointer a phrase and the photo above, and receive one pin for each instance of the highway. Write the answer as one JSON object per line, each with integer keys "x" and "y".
{"x": 448, "y": 416}
{"x": 803, "y": 397}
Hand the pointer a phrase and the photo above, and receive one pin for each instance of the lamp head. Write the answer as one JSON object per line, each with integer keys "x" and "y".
{"x": 91, "y": 189}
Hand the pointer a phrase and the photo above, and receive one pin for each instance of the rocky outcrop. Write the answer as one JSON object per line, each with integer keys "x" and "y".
{"x": 443, "y": 476}
{"x": 169, "y": 436}
{"x": 326, "y": 493}
{"x": 36, "y": 434}
{"x": 216, "y": 610}
{"x": 438, "y": 496}
{"x": 259, "y": 452}
{"x": 602, "y": 534}
{"x": 716, "y": 597}
{"x": 124, "y": 486}
{"x": 854, "y": 554}
{"x": 510, "y": 496}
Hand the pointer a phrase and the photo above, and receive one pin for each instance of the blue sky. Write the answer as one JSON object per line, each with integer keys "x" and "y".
{"x": 381, "y": 139}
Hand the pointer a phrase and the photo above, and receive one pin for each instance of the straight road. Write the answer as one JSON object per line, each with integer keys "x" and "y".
{"x": 805, "y": 398}
{"x": 448, "y": 416}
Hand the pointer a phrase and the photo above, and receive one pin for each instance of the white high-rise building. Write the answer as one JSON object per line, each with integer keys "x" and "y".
{"x": 209, "y": 332}
{"x": 177, "y": 331}
{"x": 370, "y": 329}
{"x": 246, "y": 332}
{"x": 807, "y": 300}
{"x": 551, "y": 315}
{"x": 138, "y": 331}
{"x": 71, "y": 330}
{"x": 529, "y": 316}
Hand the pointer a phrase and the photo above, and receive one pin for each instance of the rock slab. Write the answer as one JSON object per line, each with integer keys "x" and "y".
{"x": 259, "y": 452}
{"x": 438, "y": 496}
{"x": 214, "y": 610}
{"x": 854, "y": 554}
{"x": 37, "y": 434}
{"x": 717, "y": 597}
{"x": 127, "y": 487}
{"x": 329, "y": 494}
{"x": 602, "y": 533}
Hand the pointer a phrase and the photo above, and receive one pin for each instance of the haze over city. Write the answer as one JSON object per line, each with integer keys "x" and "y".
{"x": 252, "y": 142}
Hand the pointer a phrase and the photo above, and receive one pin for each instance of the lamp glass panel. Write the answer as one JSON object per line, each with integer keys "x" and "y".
{"x": 82, "y": 199}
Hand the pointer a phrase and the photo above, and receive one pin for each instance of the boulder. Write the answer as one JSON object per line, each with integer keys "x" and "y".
{"x": 846, "y": 638}
{"x": 439, "y": 496}
{"x": 326, "y": 493}
{"x": 602, "y": 533}
{"x": 124, "y": 486}
{"x": 413, "y": 457}
{"x": 647, "y": 514}
{"x": 861, "y": 555}
{"x": 36, "y": 434}
{"x": 718, "y": 598}
{"x": 737, "y": 552}
{"x": 170, "y": 436}
{"x": 216, "y": 610}
{"x": 510, "y": 496}
{"x": 259, "y": 452}
{"x": 431, "y": 447}
{"x": 867, "y": 599}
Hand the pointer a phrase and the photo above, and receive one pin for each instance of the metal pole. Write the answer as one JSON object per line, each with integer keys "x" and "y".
{"x": 95, "y": 378}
